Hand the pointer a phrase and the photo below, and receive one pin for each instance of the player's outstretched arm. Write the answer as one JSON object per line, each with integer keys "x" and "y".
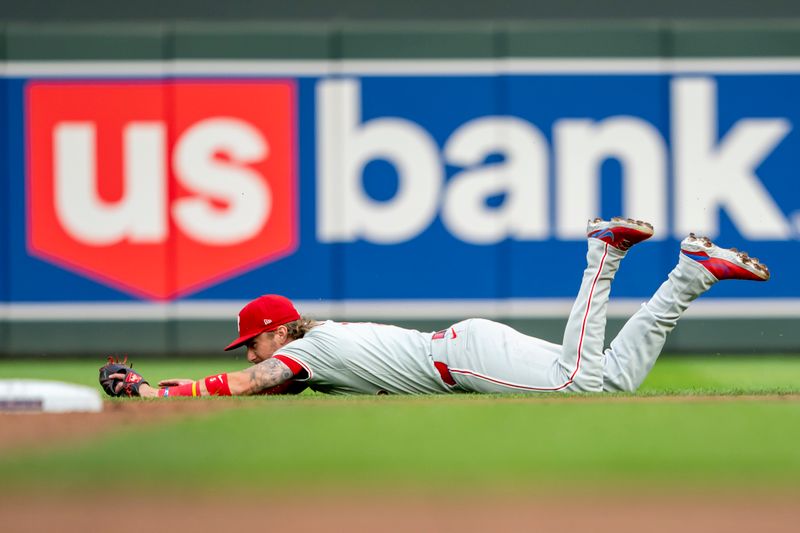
{"x": 271, "y": 376}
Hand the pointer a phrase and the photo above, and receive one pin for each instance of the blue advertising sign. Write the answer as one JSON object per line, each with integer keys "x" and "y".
{"x": 389, "y": 187}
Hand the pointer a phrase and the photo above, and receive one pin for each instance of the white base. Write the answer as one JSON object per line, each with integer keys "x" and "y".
{"x": 36, "y": 396}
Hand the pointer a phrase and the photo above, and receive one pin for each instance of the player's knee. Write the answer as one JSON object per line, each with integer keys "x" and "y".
{"x": 621, "y": 383}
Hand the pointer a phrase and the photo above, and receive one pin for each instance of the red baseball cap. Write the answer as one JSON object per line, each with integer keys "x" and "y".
{"x": 265, "y": 313}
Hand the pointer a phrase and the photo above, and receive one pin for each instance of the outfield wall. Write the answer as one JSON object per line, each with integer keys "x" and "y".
{"x": 480, "y": 10}
{"x": 160, "y": 175}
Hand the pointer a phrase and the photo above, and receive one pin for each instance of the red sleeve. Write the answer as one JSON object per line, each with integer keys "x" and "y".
{"x": 293, "y": 365}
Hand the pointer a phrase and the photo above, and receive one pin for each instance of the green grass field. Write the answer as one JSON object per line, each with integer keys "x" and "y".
{"x": 670, "y": 433}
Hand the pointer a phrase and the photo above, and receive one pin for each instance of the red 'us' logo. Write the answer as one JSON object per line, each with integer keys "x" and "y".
{"x": 161, "y": 188}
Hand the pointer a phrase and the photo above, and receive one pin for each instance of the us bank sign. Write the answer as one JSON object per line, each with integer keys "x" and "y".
{"x": 391, "y": 187}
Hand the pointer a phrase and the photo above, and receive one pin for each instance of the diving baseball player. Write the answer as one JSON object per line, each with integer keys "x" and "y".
{"x": 290, "y": 352}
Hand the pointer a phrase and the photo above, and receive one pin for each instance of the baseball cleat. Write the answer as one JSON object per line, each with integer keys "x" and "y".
{"x": 621, "y": 233}
{"x": 723, "y": 263}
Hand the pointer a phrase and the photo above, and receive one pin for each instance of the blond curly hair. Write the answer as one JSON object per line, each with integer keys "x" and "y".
{"x": 299, "y": 328}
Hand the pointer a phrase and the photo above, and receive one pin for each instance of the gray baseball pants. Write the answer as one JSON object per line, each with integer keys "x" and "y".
{"x": 486, "y": 356}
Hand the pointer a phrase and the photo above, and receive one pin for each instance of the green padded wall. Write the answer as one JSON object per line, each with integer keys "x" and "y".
{"x": 250, "y": 40}
{"x": 417, "y": 41}
{"x": 111, "y": 41}
{"x": 734, "y": 39}
{"x": 215, "y": 11}
{"x": 576, "y": 39}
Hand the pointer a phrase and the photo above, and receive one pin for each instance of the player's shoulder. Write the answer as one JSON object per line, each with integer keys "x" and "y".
{"x": 322, "y": 325}
{"x": 333, "y": 325}
{"x": 323, "y": 328}
{"x": 333, "y": 330}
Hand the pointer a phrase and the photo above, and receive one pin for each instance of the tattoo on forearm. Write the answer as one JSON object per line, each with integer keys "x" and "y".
{"x": 267, "y": 374}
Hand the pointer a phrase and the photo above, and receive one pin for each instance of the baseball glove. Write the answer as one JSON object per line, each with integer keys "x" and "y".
{"x": 118, "y": 378}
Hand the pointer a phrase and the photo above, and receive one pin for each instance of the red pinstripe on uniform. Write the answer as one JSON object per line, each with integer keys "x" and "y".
{"x": 580, "y": 346}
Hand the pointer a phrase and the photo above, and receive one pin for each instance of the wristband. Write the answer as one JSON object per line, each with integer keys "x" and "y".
{"x": 218, "y": 385}
{"x": 190, "y": 389}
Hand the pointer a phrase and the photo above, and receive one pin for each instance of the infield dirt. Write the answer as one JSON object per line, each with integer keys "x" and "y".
{"x": 31, "y": 430}
{"x": 567, "y": 512}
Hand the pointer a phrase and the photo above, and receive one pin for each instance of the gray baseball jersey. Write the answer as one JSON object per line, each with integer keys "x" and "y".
{"x": 366, "y": 358}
